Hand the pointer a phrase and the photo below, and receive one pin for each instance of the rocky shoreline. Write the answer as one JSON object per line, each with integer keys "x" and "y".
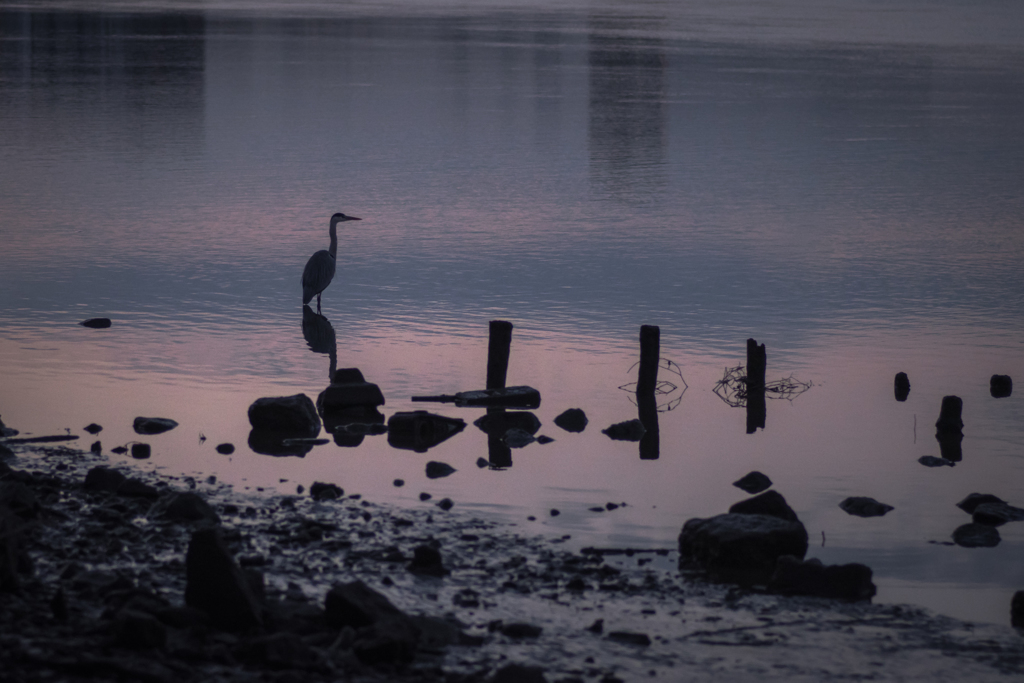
{"x": 100, "y": 567}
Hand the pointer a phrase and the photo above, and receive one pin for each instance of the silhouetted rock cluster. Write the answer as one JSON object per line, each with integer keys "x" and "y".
{"x": 862, "y": 506}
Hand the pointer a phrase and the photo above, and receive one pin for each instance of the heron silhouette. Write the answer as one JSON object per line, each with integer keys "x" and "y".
{"x": 320, "y": 267}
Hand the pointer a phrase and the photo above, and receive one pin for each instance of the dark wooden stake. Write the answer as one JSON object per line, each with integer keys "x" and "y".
{"x": 650, "y": 353}
{"x": 757, "y": 364}
{"x": 498, "y": 347}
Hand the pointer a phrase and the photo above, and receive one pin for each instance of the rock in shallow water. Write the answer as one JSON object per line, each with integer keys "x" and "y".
{"x": 153, "y": 425}
{"x": 96, "y": 323}
{"x": 862, "y": 506}
{"x": 572, "y": 420}
{"x": 769, "y": 503}
{"x": 976, "y": 536}
{"x": 752, "y": 483}
{"x": 811, "y": 577}
{"x": 740, "y": 548}
{"x": 289, "y": 415}
{"x": 630, "y": 430}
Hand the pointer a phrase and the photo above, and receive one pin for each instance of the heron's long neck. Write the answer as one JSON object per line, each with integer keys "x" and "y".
{"x": 334, "y": 240}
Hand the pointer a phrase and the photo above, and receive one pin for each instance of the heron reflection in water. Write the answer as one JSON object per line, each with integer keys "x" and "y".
{"x": 319, "y": 335}
{"x": 320, "y": 267}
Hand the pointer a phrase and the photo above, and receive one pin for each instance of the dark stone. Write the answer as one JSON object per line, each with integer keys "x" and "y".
{"x": 153, "y": 425}
{"x": 576, "y": 584}
{"x": 182, "y": 617}
{"x": 292, "y": 415}
{"x": 141, "y": 451}
{"x": 752, "y": 483}
{"x": 862, "y": 506}
{"x": 973, "y": 500}
{"x": 901, "y": 386}
{"x": 183, "y": 506}
{"x": 996, "y": 514}
{"x": 420, "y": 431}
{"x": 341, "y": 395}
{"x": 976, "y": 536}
{"x": 932, "y": 461}
{"x": 324, "y": 491}
{"x": 1000, "y": 386}
{"x": 949, "y": 415}
{"x": 436, "y": 470}
{"x": 555, "y": 512}
{"x": 59, "y": 606}
{"x": 139, "y": 631}
{"x": 544, "y": 440}
{"x": 1017, "y": 610}
{"x": 467, "y": 597}
{"x": 136, "y": 488}
{"x": 427, "y": 560}
{"x": 520, "y": 629}
{"x": 96, "y": 323}
{"x": 770, "y": 503}
{"x": 215, "y": 583}
{"x": 482, "y": 462}
{"x": 357, "y": 605}
{"x": 572, "y": 420}
{"x": 425, "y": 496}
{"x": 276, "y": 651}
{"x": 630, "y": 638}
{"x": 93, "y": 428}
{"x": 811, "y": 577}
{"x": 630, "y": 430}
{"x": 278, "y": 444}
{"x": 597, "y": 627}
{"x": 445, "y": 504}
{"x": 391, "y": 642}
{"x": 225, "y": 448}
{"x": 11, "y": 529}
{"x": 518, "y": 673}
{"x": 399, "y": 482}
{"x": 19, "y": 499}
{"x": 740, "y": 548}
{"x": 96, "y": 447}
{"x": 518, "y": 438}
{"x": 499, "y": 422}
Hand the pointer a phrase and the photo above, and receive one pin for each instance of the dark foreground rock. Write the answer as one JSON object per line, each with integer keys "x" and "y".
{"x": 101, "y": 585}
{"x": 215, "y": 583}
{"x": 1017, "y": 610}
{"x": 740, "y": 548}
{"x": 810, "y": 577}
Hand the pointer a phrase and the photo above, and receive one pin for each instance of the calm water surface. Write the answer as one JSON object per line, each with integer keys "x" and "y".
{"x": 843, "y": 186}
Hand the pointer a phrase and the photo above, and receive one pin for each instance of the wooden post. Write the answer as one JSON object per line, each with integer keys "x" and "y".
{"x": 498, "y": 345}
{"x": 757, "y": 364}
{"x": 650, "y": 353}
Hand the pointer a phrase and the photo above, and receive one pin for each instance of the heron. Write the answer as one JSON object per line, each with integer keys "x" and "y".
{"x": 319, "y": 270}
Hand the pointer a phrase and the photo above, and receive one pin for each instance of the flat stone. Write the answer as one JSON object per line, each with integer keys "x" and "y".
{"x": 862, "y": 506}
{"x": 436, "y": 470}
{"x": 96, "y": 323}
{"x": 770, "y": 503}
{"x": 754, "y": 482}
{"x": 932, "y": 461}
{"x": 153, "y": 425}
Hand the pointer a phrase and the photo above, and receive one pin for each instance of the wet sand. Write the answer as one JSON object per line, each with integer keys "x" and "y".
{"x": 600, "y": 617}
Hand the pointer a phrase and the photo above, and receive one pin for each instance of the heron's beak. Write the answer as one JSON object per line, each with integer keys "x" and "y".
{"x": 352, "y": 218}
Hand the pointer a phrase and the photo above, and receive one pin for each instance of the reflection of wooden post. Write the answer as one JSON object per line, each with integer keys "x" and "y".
{"x": 498, "y": 452}
{"x": 650, "y": 443}
{"x": 757, "y": 364}
{"x": 498, "y": 345}
{"x": 650, "y": 352}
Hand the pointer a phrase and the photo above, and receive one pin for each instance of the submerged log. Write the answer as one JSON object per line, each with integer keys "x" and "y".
{"x": 508, "y": 397}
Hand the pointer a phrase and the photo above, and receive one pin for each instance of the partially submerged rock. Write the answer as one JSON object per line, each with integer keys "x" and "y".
{"x": 976, "y": 536}
{"x": 768, "y": 503}
{"x": 572, "y": 420}
{"x": 518, "y": 438}
{"x": 901, "y": 386}
{"x": 630, "y": 430}
{"x": 293, "y": 416}
{"x": 437, "y": 469}
{"x": 932, "y": 461}
{"x": 996, "y": 514}
{"x": 325, "y": 491}
{"x": 754, "y": 482}
{"x": 810, "y": 577}
{"x": 863, "y": 506}
{"x": 1000, "y": 386}
{"x": 419, "y": 430}
{"x": 740, "y": 548}
{"x": 973, "y": 500}
{"x": 153, "y": 425}
{"x": 96, "y": 323}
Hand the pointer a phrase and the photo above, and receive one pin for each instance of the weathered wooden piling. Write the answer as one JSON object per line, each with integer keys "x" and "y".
{"x": 901, "y": 386}
{"x": 498, "y": 347}
{"x": 1000, "y": 386}
{"x": 757, "y": 366}
{"x": 650, "y": 353}
{"x": 949, "y": 421}
{"x": 650, "y": 443}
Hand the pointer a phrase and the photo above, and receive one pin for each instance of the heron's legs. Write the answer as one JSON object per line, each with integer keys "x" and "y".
{"x": 318, "y": 303}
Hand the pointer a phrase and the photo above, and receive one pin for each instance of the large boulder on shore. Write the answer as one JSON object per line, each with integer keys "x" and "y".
{"x": 293, "y": 416}
{"x": 740, "y": 548}
{"x": 215, "y": 583}
{"x": 810, "y": 577}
